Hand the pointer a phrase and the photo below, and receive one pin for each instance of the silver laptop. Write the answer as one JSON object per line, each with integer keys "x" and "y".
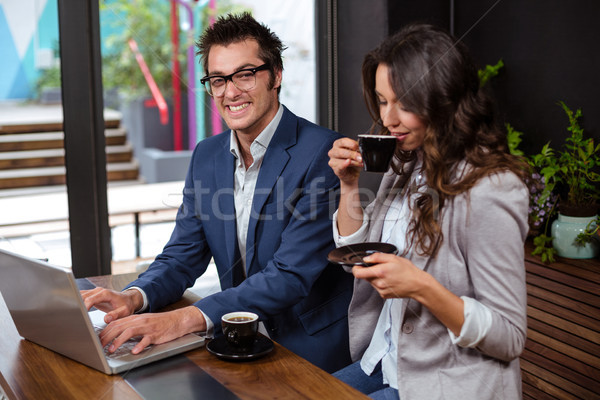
{"x": 47, "y": 309}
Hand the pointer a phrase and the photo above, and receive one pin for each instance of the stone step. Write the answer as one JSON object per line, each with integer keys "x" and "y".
{"x": 32, "y": 147}
{"x": 51, "y": 140}
{"x": 48, "y": 176}
{"x": 43, "y": 118}
{"x": 56, "y": 157}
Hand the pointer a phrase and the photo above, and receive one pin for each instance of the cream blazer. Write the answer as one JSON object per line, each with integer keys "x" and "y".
{"x": 482, "y": 257}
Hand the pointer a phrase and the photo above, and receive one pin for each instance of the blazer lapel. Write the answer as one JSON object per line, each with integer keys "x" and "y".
{"x": 273, "y": 164}
{"x": 421, "y": 262}
{"x": 224, "y": 165}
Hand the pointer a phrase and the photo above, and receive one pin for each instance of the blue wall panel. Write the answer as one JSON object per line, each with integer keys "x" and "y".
{"x": 10, "y": 58}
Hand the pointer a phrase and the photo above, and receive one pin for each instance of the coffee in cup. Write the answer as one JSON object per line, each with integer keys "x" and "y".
{"x": 240, "y": 329}
{"x": 376, "y": 151}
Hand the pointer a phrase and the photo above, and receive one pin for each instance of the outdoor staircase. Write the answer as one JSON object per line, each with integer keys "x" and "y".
{"x": 32, "y": 152}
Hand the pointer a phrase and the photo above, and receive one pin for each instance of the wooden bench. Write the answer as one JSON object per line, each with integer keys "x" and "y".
{"x": 562, "y": 353}
{"x": 22, "y": 213}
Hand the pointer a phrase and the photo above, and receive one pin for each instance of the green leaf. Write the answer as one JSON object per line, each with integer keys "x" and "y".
{"x": 489, "y": 72}
{"x": 514, "y": 139}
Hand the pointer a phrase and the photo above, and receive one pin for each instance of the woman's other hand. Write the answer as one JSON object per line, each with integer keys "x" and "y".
{"x": 398, "y": 277}
{"x": 391, "y": 276}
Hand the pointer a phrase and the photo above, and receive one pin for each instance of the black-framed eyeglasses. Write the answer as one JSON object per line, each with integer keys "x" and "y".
{"x": 244, "y": 79}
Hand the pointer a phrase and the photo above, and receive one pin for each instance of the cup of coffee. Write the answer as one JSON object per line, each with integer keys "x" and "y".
{"x": 376, "y": 151}
{"x": 240, "y": 329}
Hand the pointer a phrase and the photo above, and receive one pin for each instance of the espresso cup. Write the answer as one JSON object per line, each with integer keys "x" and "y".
{"x": 240, "y": 329}
{"x": 376, "y": 151}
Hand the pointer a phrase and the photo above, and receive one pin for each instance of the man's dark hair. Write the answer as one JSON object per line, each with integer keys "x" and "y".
{"x": 233, "y": 28}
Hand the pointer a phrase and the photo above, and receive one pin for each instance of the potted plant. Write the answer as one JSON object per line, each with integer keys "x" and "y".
{"x": 572, "y": 173}
{"x": 48, "y": 83}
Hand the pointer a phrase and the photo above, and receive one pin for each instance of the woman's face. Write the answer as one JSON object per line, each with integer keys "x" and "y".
{"x": 408, "y": 129}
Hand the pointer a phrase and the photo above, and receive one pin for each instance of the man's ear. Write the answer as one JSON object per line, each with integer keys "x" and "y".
{"x": 277, "y": 80}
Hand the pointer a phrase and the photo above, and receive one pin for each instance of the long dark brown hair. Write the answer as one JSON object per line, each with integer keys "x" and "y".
{"x": 434, "y": 77}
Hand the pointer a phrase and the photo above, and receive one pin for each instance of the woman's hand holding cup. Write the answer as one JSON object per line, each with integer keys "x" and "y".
{"x": 345, "y": 160}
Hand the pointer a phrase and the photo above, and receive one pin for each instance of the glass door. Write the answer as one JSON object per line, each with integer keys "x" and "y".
{"x": 33, "y": 199}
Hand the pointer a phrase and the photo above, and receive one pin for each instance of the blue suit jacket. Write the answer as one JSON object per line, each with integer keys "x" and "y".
{"x": 300, "y": 297}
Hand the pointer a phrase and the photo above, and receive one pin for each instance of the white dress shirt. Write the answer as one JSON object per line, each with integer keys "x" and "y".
{"x": 245, "y": 179}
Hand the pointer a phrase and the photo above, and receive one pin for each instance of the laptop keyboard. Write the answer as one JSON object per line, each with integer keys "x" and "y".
{"x": 125, "y": 349}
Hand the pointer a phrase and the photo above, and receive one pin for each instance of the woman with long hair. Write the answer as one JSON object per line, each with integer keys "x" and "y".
{"x": 446, "y": 317}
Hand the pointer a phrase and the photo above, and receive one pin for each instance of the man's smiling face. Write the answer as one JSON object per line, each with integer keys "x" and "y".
{"x": 246, "y": 112}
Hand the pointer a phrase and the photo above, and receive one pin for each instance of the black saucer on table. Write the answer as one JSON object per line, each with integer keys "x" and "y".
{"x": 353, "y": 254}
{"x": 220, "y": 348}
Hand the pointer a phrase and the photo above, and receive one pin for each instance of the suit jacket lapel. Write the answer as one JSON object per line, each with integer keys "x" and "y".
{"x": 224, "y": 166}
{"x": 273, "y": 164}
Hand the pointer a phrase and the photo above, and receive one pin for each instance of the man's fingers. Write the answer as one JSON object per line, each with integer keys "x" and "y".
{"x": 90, "y": 297}
{"x": 124, "y": 336}
{"x": 119, "y": 312}
{"x": 145, "y": 342}
{"x": 152, "y": 328}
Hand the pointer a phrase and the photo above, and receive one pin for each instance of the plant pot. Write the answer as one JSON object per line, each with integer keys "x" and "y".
{"x": 564, "y": 231}
{"x": 51, "y": 95}
{"x": 578, "y": 210}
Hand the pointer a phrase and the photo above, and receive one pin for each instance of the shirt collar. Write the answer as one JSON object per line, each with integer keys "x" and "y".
{"x": 263, "y": 139}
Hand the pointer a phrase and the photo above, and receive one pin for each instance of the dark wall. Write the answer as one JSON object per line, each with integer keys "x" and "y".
{"x": 358, "y": 27}
{"x": 550, "y": 48}
{"x": 551, "y": 52}
{"x": 347, "y": 30}
{"x": 402, "y": 12}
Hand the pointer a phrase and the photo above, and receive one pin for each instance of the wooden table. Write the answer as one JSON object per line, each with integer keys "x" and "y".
{"x": 29, "y": 371}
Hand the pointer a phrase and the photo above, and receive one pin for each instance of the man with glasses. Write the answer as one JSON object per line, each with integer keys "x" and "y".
{"x": 258, "y": 200}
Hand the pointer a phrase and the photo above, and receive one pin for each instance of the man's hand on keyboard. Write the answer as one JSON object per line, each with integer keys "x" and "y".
{"x": 115, "y": 304}
{"x": 153, "y": 328}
